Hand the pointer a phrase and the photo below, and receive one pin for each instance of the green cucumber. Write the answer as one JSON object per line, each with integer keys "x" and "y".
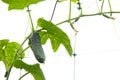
{"x": 35, "y": 44}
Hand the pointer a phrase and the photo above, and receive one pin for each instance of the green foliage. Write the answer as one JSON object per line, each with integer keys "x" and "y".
{"x": 55, "y": 42}
{"x": 12, "y": 52}
{"x": 61, "y": 0}
{"x": 35, "y": 69}
{"x": 44, "y": 36}
{"x": 66, "y": 0}
{"x": 74, "y": 1}
{"x": 20, "y": 4}
{"x": 3, "y": 43}
{"x": 56, "y": 35}
{"x": 8, "y": 51}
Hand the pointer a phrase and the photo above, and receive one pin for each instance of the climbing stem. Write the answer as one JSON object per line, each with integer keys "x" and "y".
{"x": 102, "y": 6}
{"x": 110, "y": 7}
{"x": 70, "y": 4}
{"x": 23, "y": 76}
{"x": 30, "y": 18}
{"x": 86, "y": 15}
{"x": 54, "y": 10}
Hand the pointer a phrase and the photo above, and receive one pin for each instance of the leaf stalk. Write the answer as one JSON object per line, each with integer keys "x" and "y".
{"x": 30, "y": 17}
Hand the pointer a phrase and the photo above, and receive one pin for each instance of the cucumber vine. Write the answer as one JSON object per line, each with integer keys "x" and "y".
{"x": 46, "y": 29}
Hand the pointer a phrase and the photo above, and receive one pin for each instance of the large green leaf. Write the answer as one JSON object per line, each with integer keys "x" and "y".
{"x": 44, "y": 36}
{"x": 35, "y": 69}
{"x": 20, "y": 4}
{"x": 56, "y": 35}
{"x": 9, "y": 53}
{"x": 3, "y": 43}
{"x": 55, "y": 41}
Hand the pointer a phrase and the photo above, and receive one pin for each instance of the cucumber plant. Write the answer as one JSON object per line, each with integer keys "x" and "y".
{"x": 36, "y": 39}
{"x": 11, "y": 52}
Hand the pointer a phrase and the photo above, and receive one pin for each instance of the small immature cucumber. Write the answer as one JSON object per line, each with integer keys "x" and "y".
{"x": 35, "y": 44}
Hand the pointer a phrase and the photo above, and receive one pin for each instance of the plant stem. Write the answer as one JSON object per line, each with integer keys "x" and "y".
{"x": 23, "y": 76}
{"x": 102, "y": 6}
{"x": 69, "y": 18}
{"x": 25, "y": 49}
{"x": 54, "y": 10}
{"x": 86, "y": 15}
{"x": 71, "y": 24}
{"x": 110, "y": 7}
{"x": 31, "y": 22}
{"x": 17, "y": 52}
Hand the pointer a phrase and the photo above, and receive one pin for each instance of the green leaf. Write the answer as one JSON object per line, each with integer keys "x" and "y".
{"x": 35, "y": 69}
{"x": 44, "y": 36}
{"x": 1, "y": 54}
{"x": 9, "y": 53}
{"x": 74, "y": 1}
{"x": 55, "y": 42}
{"x": 61, "y": 0}
{"x": 3, "y": 43}
{"x": 20, "y": 4}
{"x": 56, "y": 35}
{"x": 66, "y": 0}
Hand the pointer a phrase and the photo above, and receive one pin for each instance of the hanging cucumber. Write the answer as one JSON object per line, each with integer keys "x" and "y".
{"x": 35, "y": 44}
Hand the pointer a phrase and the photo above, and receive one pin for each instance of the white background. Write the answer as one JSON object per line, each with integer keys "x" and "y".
{"x": 97, "y": 42}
